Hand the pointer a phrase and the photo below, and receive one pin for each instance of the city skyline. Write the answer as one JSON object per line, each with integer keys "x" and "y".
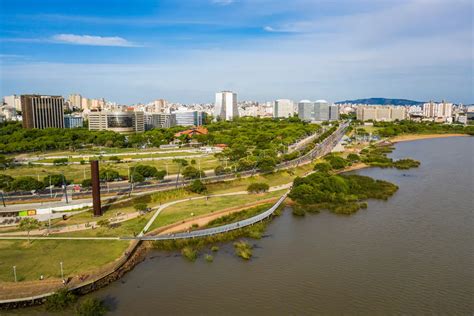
{"x": 415, "y": 49}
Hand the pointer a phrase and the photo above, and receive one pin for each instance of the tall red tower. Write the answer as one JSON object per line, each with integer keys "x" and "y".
{"x": 95, "y": 188}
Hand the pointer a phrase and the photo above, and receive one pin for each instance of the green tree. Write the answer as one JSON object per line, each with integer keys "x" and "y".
{"x": 26, "y": 184}
{"x": 5, "y": 181}
{"x": 60, "y": 300}
{"x": 190, "y": 172}
{"x": 109, "y": 175}
{"x": 28, "y": 224}
{"x": 258, "y": 187}
{"x": 91, "y": 306}
{"x": 56, "y": 180}
{"x": 140, "y": 207}
{"x": 197, "y": 187}
{"x": 86, "y": 183}
{"x": 322, "y": 167}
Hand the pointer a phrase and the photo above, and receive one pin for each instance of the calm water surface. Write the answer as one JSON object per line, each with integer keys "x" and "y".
{"x": 412, "y": 254}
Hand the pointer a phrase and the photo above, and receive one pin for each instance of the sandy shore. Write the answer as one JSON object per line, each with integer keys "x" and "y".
{"x": 407, "y": 138}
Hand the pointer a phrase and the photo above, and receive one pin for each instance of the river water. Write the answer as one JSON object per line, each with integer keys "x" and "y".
{"x": 412, "y": 254}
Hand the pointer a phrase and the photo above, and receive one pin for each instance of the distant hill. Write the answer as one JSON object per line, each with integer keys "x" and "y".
{"x": 382, "y": 101}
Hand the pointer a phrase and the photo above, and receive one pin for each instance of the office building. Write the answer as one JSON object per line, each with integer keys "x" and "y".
{"x": 383, "y": 113}
{"x": 333, "y": 112}
{"x": 190, "y": 118}
{"x": 42, "y": 111}
{"x": 159, "y": 120}
{"x": 225, "y": 107}
{"x": 283, "y": 108}
{"x": 73, "y": 121}
{"x": 121, "y": 122}
{"x": 321, "y": 110}
{"x": 317, "y": 111}
{"x": 306, "y": 110}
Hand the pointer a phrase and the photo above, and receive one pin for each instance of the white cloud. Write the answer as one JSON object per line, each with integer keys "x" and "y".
{"x": 269, "y": 29}
{"x": 92, "y": 40}
{"x": 223, "y": 2}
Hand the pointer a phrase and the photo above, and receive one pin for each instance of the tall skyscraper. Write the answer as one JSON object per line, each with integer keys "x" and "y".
{"x": 226, "y": 105}
{"x": 42, "y": 111}
{"x": 75, "y": 100}
{"x": 317, "y": 111}
{"x": 321, "y": 110}
{"x": 283, "y": 108}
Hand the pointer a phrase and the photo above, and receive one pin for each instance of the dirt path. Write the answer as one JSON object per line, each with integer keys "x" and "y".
{"x": 206, "y": 218}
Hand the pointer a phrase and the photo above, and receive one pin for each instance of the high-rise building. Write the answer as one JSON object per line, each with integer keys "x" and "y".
{"x": 121, "y": 122}
{"x": 226, "y": 105}
{"x": 381, "y": 113}
{"x": 306, "y": 110}
{"x": 13, "y": 101}
{"x": 75, "y": 100}
{"x": 333, "y": 112}
{"x": 42, "y": 111}
{"x": 73, "y": 121}
{"x": 283, "y": 108}
{"x": 435, "y": 110}
{"x": 317, "y": 111}
{"x": 159, "y": 120}
{"x": 159, "y": 106}
{"x": 321, "y": 110}
{"x": 189, "y": 118}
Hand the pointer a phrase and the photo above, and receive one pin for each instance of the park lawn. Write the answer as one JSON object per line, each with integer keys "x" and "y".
{"x": 272, "y": 179}
{"x": 182, "y": 211}
{"x": 128, "y": 228}
{"x": 134, "y": 156}
{"x": 42, "y": 257}
{"x": 77, "y": 173}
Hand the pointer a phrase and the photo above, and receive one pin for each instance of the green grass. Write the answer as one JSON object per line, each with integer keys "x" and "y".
{"x": 182, "y": 211}
{"x": 42, "y": 257}
{"x": 77, "y": 173}
{"x": 134, "y": 156}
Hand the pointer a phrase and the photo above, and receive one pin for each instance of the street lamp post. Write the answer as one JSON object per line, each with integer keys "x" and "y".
{"x": 62, "y": 271}
{"x": 14, "y": 273}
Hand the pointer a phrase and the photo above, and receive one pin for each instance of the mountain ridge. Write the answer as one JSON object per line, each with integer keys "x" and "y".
{"x": 382, "y": 101}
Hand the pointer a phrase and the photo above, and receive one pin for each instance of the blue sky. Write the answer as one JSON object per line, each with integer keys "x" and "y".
{"x": 184, "y": 51}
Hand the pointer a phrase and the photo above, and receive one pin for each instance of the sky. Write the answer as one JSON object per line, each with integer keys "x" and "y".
{"x": 185, "y": 51}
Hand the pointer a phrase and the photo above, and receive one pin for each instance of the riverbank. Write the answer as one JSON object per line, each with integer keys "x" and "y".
{"x": 412, "y": 137}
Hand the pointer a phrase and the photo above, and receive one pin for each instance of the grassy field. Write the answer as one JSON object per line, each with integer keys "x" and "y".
{"x": 135, "y": 156}
{"x": 273, "y": 179}
{"x": 42, "y": 257}
{"x": 182, "y": 211}
{"x": 79, "y": 172}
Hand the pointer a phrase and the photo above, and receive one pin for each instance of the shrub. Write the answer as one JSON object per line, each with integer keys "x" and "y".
{"x": 140, "y": 207}
{"x": 86, "y": 183}
{"x": 353, "y": 157}
{"x": 60, "y": 161}
{"x": 215, "y": 248}
{"x": 298, "y": 211}
{"x": 56, "y": 179}
{"x": 243, "y": 250}
{"x": 336, "y": 162}
{"x": 60, "y": 300}
{"x": 25, "y": 184}
{"x": 91, "y": 306}
{"x": 189, "y": 253}
{"x": 209, "y": 258}
{"x": 258, "y": 187}
{"x": 197, "y": 187}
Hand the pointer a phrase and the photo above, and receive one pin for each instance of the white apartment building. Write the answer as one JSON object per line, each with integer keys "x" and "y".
{"x": 226, "y": 105}
{"x": 438, "y": 111}
{"x": 283, "y": 108}
{"x": 381, "y": 113}
{"x": 13, "y": 101}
